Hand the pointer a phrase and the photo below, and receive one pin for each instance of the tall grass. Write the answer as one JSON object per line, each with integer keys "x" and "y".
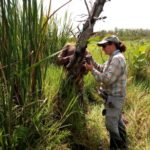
{"x": 27, "y": 37}
{"x": 136, "y": 112}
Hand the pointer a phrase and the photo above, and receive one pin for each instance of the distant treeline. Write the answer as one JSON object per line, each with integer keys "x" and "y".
{"x": 127, "y": 34}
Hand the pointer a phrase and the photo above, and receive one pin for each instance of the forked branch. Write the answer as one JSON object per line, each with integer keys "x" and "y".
{"x": 86, "y": 32}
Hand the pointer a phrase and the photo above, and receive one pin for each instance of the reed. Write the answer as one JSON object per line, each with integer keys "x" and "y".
{"x": 28, "y": 36}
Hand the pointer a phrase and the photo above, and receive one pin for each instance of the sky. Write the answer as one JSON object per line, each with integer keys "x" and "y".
{"x": 131, "y": 14}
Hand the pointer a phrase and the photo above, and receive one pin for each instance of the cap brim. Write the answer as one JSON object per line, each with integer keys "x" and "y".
{"x": 101, "y": 43}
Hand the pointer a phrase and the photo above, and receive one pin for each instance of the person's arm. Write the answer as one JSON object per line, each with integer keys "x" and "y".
{"x": 110, "y": 76}
{"x": 97, "y": 66}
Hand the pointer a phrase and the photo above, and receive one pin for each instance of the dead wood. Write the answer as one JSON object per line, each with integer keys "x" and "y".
{"x": 87, "y": 31}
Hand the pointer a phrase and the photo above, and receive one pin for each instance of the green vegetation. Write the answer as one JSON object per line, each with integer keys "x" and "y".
{"x": 128, "y": 34}
{"x": 31, "y": 85}
{"x": 28, "y": 38}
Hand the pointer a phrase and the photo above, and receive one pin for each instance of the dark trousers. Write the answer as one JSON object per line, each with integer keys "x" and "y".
{"x": 119, "y": 142}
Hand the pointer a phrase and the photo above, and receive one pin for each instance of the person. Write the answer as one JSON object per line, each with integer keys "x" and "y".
{"x": 112, "y": 75}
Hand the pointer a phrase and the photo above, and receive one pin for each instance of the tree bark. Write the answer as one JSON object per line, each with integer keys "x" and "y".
{"x": 74, "y": 69}
{"x": 87, "y": 31}
{"x": 81, "y": 45}
{"x": 73, "y": 82}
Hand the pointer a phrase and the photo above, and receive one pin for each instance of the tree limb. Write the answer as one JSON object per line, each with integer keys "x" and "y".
{"x": 86, "y": 33}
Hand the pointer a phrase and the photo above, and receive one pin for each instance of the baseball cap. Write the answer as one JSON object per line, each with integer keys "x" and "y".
{"x": 113, "y": 39}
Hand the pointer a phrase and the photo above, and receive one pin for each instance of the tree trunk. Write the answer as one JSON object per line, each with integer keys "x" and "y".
{"x": 73, "y": 83}
{"x": 86, "y": 33}
{"x": 81, "y": 45}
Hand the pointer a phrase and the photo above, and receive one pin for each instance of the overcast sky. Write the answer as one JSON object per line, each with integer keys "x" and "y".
{"x": 120, "y": 13}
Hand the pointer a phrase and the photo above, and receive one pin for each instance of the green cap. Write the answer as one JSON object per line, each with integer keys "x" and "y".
{"x": 113, "y": 39}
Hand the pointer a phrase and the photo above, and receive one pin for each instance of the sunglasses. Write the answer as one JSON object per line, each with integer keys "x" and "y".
{"x": 104, "y": 46}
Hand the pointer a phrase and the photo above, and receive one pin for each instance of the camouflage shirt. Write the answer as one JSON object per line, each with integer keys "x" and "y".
{"x": 112, "y": 75}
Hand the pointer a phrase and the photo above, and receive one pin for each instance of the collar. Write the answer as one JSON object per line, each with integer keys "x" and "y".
{"x": 113, "y": 54}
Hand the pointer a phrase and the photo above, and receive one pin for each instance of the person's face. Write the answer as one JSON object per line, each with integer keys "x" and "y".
{"x": 108, "y": 48}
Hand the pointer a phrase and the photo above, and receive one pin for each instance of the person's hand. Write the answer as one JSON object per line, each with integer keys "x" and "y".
{"x": 88, "y": 67}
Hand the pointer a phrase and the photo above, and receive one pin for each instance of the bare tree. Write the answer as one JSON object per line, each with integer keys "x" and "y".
{"x": 74, "y": 57}
{"x": 82, "y": 41}
{"x": 74, "y": 60}
{"x": 87, "y": 31}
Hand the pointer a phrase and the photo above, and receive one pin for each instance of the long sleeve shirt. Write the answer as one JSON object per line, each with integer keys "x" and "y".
{"x": 112, "y": 74}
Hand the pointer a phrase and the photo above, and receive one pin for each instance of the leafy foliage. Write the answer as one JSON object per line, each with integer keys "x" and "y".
{"x": 139, "y": 61}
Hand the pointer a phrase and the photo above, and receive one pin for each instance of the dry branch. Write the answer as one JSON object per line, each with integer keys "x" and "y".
{"x": 86, "y": 33}
{"x": 75, "y": 72}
